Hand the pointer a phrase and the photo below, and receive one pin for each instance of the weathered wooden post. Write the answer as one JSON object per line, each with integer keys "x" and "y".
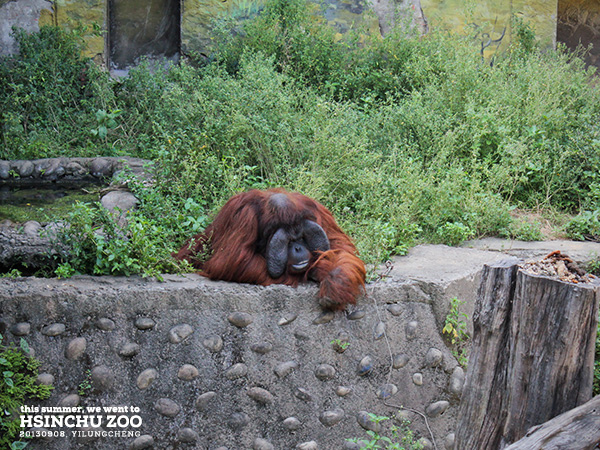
{"x": 532, "y": 355}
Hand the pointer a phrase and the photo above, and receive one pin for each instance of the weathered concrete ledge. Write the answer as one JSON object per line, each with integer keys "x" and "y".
{"x": 216, "y": 365}
{"x": 222, "y": 364}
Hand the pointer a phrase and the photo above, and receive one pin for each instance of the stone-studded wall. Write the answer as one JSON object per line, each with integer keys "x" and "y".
{"x": 214, "y": 365}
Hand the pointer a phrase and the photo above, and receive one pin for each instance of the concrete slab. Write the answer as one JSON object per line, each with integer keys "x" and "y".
{"x": 444, "y": 273}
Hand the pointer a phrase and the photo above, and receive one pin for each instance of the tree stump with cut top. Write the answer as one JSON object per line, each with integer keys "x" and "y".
{"x": 532, "y": 353}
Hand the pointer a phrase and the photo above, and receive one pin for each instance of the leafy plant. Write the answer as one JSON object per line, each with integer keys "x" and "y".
{"x": 105, "y": 121}
{"x": 455, "y": 331}
{"x": 86, "y": 385}
{"x": 18, "y": 383}
{"x": 13, "y": 273}
{"x": 340, "y": 345}
{"x": 454, "y": 233}
{"x": 400, "y": 437}
{"x": 95, "y": 242}
{"x": 585, "y": 226}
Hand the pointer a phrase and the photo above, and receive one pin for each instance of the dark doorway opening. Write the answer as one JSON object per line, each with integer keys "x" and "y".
{"x": 143, "y": 28}
{"x": 578, "y": 24}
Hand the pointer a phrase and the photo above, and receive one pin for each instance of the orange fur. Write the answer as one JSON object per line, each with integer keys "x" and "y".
{"x": 232, "y": 246}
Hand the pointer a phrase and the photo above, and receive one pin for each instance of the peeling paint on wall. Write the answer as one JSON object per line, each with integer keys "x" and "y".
{"x": 490, "y": 22}
{"x": 21, "y": 13}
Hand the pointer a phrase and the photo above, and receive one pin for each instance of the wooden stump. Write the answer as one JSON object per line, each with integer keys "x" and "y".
{"x": 577, "y": 429}
{"x": 532, "y": 355}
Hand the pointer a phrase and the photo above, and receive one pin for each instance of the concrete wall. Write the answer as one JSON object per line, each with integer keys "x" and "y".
{"x": 491, "y": 20}
{"x": 222, "y": 365}
{"x": 579, "y": 25}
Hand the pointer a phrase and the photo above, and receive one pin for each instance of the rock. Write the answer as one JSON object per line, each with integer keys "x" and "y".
{"x": 303, "y": 394}
{"x": 386, "y": 391}
{"x": 4, "y": 170}
{"x": 425, "y": 444}
{"x": 287, "y": 319}
{"x": 129, "y": 349}
{"x": 356, "y": 315}
{"x": 324, "y": 317}
{"x": 240, "y": 319}
{"x": 238, "y": 370}
{"x": 399, "y": 361}
{"x": 285, "y": 368}
{"x": 437, "y": 409}
{"x": 331, "y": 417}
{"x": 54, "y": 330}
{"x": 105, "y": 324}
{"x": 457, "y": 381}
{"x": 325, "y": 372}
{"x": 418, "y": 378}
{"x": 53, "y": 169}
{"x": 70, "y": 401}
{"x": 75, "y": 169}
{"x": 32, "y": 228}
{"x": 187, "y": 372}
{"x": 119, "y": 202}
{"x": 342, "y": 391}
{"x": 21, "y": 329}
{"x": 365, "y": 366}
{"x": 167, "y": 407}
{"x": 214, "y": 344}
{"x": 379, "y": 331}
{"x": 46, "y": 379}
{"x": 204, "y": 400}
{"x": 310, "y": 445}
{"x": 292, "y": 424}
{"x": 263, "y": 348}
{"x": 238, "y": 420}
{"x": 449, "y": 441}
{"x": 142, "y": 442}
{"x": 75, "y": 348}
{"x": 179, "y": 333}
{"x": 101, "y": 167}
{"x": 395, "y": 309}
{"x": 260, "y": 395}
{"x": 411, "y": 329}
{"x": 102, "y": 377}
{"x": 187, "y": 435}
{"x": 146, "y": 378}
{"x": 25, "y": 169}
{"x": 144, "y": 323}
{"x": 367, "y": 423}
{"x": 434, "y": 357}
{"x": 262, "y": 444}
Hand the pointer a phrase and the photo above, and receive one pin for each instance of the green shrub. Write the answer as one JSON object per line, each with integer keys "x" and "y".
{"x": 585, "y": 226}
{"x": 396, "y": 438}
{"x": 50, "y": 96}
{"x": 405, "y": 140}
{"x": 93, "y": 242}
{"x": 18, "y": 383}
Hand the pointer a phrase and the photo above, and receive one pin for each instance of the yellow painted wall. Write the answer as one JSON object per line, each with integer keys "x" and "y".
{"x": 490, "y": 22}
{"x": 74, "y": 13}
